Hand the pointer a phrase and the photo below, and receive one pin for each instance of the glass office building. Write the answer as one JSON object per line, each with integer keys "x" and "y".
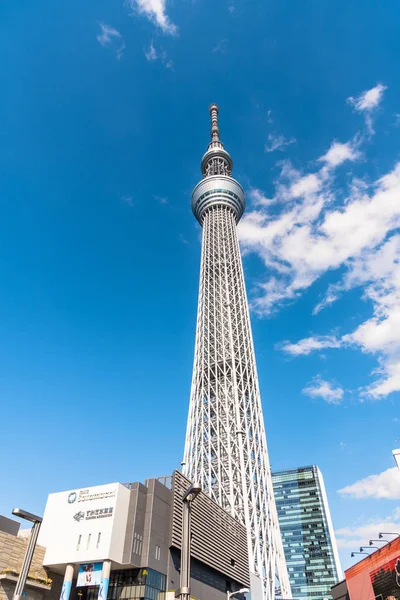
{"x": 307, "y": 532}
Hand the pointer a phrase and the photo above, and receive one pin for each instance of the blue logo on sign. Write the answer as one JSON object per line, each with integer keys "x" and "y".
{"x": 72, "y": 498}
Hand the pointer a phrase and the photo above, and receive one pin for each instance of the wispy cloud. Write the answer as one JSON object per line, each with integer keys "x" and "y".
{"x": 332, "y": 294}
{"x": 383, "y": 485}
{"x": 310, "y": 344}
{"x": 312, "y": 225}
{"x": 221, "y": 47}
{"x": 338, "y": 153}
{"x": 161, "y": 199}
{"x": 128, "y": 200}
{"x": 277, "y": 142}
{"x": 109, "y": 37}
{"x": 319, "y": 388}
{"x": 257, "y": 197}
{"x": 367, "y": 102}
{"x": 358, "y": 534}
{"x": 152, "y": 54}
{"x": 232, "y": 7}
{"x": 155, "y": 10}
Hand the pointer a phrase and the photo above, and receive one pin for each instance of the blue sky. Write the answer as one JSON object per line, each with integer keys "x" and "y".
{"x": 103, "y": 122}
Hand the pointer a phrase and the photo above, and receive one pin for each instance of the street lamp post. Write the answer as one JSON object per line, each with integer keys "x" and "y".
{"x": 37, "y": 521}
{"x": 380, "y": 541}
{"x": 383, "y": 533}
{"x": 354, "y": 553}
{"x": 184, "y": 591}
{"x": 242, "y": 591}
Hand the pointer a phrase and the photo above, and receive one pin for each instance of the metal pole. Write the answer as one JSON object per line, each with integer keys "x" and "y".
{"x": 184, "y": 592}
{"x": 19, "y": 588}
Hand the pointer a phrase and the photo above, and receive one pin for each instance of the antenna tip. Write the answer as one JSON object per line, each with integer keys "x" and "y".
{"x": 213, "y": 107}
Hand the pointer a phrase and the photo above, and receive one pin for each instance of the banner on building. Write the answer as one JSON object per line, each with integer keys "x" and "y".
{"x": 376, "y": 577}
{"x": 89, "y": 574}
{"x": 386, "y": 580}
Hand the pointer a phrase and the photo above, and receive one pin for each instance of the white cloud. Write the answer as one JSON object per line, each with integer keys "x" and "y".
{"x": 359, "y": 534}
{"x": 380, "y": 270}
{"x": 108, "y": 36}
{"x": 277, "y": 142}
{"x": 155, "y": 10}
{"x": 257, "y": 197}
{"x": 368, "y": 101}
{"x": 220, "y": 47}
{"x": 152, "y": 54}
{"x": 384, "y": 485}
{"x": 128, "y": 200}
{"x": 332, "y": 294}
{"x": 319, "y": 388}
{"x": 306, "y": 185}
{"x": 312, "y": 236}
{"x": 310, "y": 226}
{"x": 308, "y": 345}
{"x": 338, "y": 153}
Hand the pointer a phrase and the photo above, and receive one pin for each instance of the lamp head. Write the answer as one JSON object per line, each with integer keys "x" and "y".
{"x": 24, "y": 514}
{"x": 193, "y": 490}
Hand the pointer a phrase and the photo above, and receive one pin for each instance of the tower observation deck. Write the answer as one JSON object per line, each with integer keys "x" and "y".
{"x": 225, "y": 448}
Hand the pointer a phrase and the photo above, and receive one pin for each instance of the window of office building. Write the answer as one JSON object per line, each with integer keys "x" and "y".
{"x": 307, "y": 536}
{"x": 158, "y": 552}
{"x": 136, "y": 584}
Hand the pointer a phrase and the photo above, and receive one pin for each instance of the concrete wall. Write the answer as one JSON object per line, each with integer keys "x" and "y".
{"x": 9, "y": 525}
{"x": 339, "y": 591}
{"x": 12, "y": 552}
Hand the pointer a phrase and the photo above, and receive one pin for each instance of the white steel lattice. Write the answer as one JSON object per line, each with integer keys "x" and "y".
{"x": 225, "y": 449}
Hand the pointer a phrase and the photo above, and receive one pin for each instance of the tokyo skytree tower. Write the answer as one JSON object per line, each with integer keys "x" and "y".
{"x": 225, "y": 448}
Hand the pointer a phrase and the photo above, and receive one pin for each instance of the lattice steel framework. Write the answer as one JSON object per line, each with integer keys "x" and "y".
{"x": 226, "y": 449}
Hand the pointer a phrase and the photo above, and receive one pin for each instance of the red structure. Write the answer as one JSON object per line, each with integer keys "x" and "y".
{"x": 377, "y": 577}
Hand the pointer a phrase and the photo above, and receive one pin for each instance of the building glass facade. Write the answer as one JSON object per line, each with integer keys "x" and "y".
{"x": 132, "y": 584}
{"x": 307, "y": 533}
{"x": 129, "y": 584}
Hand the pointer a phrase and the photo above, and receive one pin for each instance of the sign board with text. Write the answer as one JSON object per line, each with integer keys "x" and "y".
{"x": 85, "y": 525}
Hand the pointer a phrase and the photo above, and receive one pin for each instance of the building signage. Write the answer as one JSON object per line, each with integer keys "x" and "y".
{"x": 85, "y": 526}
{"x": 79, "y": 516}
{"x": 99, "y": 513}
{"x": 89, "y": 574}
{"x": 87, "y": 495}
{"x": 386, "y": 580}
{"x": 377, "y": 577}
